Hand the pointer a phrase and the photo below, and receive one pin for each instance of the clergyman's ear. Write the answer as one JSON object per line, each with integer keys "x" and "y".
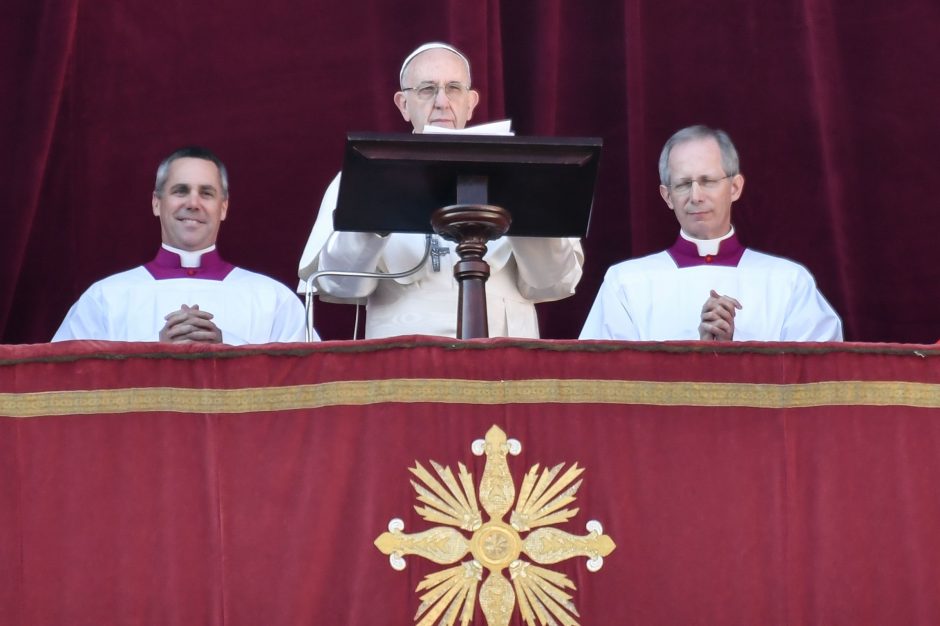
{"x": 737, "y": 186}
{"x": 664, "y": 192}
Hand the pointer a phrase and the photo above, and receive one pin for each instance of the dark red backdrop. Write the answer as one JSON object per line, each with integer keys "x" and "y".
{"x": 833, "y": 105}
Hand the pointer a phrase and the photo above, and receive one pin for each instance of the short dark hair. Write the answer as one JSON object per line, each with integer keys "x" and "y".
{"x": 189, "y": 152}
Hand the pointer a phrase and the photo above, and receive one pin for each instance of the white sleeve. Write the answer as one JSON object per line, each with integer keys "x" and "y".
{"x": 87, "y": 319}
{"x": 809, "y": 317}
{"x": 290, "y": 319}
{"x": 351, "y": 252}
{"x": 549, "y": 268}
{"x": 609, "y": 317}
{"x": 327, "y": 249}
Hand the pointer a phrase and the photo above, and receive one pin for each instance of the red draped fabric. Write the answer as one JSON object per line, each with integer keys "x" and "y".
{"x": 833, "y": 105}
{"x": 742, "y": 484}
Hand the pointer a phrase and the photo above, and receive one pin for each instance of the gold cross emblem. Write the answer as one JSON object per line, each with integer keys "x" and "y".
{"x": 496, "y": 545}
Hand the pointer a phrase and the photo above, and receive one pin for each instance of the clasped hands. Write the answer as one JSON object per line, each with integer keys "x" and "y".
{"x": 718, "y": 318}
{"x": 190, "y": 325}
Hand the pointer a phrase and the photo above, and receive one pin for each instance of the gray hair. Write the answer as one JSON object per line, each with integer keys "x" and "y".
{"x": 433, "y": 45}
{"x": 189, "y": 152}
{"x": 729, "y": 154}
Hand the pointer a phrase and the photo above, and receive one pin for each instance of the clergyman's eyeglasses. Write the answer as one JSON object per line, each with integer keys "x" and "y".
{"x": 684, "y": 188}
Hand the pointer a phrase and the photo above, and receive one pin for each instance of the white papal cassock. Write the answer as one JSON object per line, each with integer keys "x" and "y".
{"x": 131, "y": 306}
{"x": 523, "y": 271}
{"x": 659, "y": 297}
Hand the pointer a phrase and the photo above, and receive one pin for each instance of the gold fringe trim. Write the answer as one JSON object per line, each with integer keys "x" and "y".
{"x": 480, "y": 392}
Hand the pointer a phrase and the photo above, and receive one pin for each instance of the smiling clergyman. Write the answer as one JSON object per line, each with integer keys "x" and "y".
{"x": 188, "y": 293}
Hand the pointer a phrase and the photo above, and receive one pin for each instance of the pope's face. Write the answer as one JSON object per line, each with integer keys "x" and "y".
{"x": 704, "y": 207}
{"x": 191, "y": 206}
{"x": 442, "y": 72}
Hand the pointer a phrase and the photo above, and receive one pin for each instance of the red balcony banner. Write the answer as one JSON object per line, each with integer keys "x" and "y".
{"x": 742, "y": 483}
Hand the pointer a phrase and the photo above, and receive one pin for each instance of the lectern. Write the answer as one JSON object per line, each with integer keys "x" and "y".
{"x": 469, "y": 189}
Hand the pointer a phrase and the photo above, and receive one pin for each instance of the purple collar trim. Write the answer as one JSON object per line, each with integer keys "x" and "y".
{"x": 167, "y": 265}
{"x": 685, "y": 253}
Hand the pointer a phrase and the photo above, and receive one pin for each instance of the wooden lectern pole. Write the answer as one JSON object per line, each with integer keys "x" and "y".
{"x": 471, "y": 223}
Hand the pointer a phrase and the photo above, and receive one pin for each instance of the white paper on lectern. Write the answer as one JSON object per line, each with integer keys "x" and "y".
{"x": 501, "y": 127}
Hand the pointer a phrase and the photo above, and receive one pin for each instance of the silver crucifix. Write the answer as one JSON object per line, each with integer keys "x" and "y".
{"x": 437, "y": 251}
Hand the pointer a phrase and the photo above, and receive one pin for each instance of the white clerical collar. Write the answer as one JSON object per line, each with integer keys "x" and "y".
{"x": 189, "y": 258}
{"x": 707, "y": 246}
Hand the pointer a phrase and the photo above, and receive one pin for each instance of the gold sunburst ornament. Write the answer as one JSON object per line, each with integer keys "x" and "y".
{"x": 496, "y": 545}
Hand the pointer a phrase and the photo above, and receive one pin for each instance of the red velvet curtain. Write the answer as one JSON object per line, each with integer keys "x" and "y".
{"x": 833, "y": 107}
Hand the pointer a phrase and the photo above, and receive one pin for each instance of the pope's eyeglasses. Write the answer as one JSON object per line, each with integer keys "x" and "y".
{"x": 428, "y": 91}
